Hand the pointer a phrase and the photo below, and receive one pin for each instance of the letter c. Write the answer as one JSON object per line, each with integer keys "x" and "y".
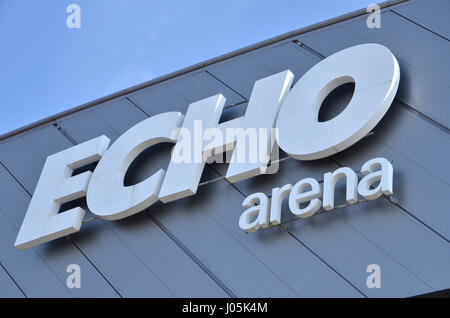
{"x": 107, "y": 196}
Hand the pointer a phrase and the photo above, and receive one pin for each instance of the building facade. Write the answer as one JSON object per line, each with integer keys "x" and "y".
{"x": 194, "y": 247}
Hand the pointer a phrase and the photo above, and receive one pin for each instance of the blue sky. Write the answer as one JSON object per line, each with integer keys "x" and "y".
{"x": 47, "y": 68}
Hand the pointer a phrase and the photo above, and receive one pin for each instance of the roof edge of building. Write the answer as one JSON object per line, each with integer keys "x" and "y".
{"x": 197, "y": 66}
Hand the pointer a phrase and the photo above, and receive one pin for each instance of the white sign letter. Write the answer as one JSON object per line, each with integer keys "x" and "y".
{"x": 384, "y": 176}
{"x": 257, "y": 207}
{"x": 182, "y": 178}
{"x": 107, "y": 196}
{"x": 376, "y": 75}
{"x": 298, "y": 196}
{"x": 329, "y": 184}
{"x": 56, "y": 186}
{"x": 276, "y": 201}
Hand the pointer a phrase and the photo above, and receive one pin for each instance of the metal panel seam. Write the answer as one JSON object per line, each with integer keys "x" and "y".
{"x": 13, "y": 280}
{"x": 301, "y": 243}
{"x": 419, "y": 25}
{"x": 194, "y": 258}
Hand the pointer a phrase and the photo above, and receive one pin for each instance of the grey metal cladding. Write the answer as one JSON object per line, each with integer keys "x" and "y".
{"x": 23, "y": 162}
{"x": 24, "y": 155}
{"x": 158, "y": 99}
{"x": 418, "y": 140}
{"x": 298, "y": 267}
{"x": 240, "y": 73}
{"x": 205, "y": 235}
{"x": 264, "y": 245}
{"x": 419, "y": 187}
{"x": 60, "y": 253}
{"x": 96, "y": 121}
{"x": 176, "y": 270}
{"x": 422, "y": 55}
{"x": 8, "y": 288}
{"x": 84, "y": 125}
{"x": 120, "y": 266}
{"x": 46, "y": 141}
{"x": 119, "y": 113}
{"x": 387, "y": 223}
{"x": 349, "y": 252}
{"x": 423, "y": 253}
{"x": 177, "y": 94}
{"x": 432, "y": 17}
{"x": 197, "y": 86}
{"x": 232, "y": 261}
{"x": 233, "y": 112}
{"x": 286, "y": 56}
{"x": 127, "y": 261}
{"x": 13, "y": 197}
{"x": 30, "y": 272}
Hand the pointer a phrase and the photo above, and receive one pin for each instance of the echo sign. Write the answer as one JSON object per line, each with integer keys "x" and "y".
{"x": 288, "y": 115}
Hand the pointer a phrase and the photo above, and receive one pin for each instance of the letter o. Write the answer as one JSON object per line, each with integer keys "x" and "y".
{"x": 376, "y": 74}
